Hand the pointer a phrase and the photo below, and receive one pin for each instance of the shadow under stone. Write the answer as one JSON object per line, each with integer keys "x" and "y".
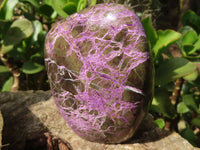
{"x": 20, "y": 125}
{"x": 148, "y": 131}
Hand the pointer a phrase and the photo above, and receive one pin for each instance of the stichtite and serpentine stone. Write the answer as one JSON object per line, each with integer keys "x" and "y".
{"x": 100, "y": 72}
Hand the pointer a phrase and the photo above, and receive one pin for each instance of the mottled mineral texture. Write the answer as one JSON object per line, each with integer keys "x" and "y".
{"x": 100, "y": 72}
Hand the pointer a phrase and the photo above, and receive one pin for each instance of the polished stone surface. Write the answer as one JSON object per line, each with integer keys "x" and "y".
{"x": 100, "y": 71}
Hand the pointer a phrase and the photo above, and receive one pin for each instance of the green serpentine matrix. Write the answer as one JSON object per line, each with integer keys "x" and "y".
{"x": 100, "y": 72}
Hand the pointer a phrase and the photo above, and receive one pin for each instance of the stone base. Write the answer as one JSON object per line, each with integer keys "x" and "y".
{"x": 28, "y": 115}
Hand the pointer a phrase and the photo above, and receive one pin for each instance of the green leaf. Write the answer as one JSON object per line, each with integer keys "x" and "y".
{"x": 190, "y": 37}
{"x": 58, "y": 7}
{"x": 162, "y": 104}
{"x": 196, "y": 46}
{"x": 186, "y": 88}
{"x": 4, "y": 75}
{"x": 189, "y": 135}
{"x": 31, "y": 67}
{"x": 19, "y": 30}
{"x": 35, "y": 56}
{"x": 81, "y": 4}
{"x": 165, "y": 39}
{"x": 7, "y": 85}
{"x": 190, "y": 102}
{"x": 7, "y": 9}
{"x": 196, "y": 121}
{"x": 93, "y": 2}
{"x": 192, "y": 76}
{"x": 70, "y": 8}
{"x": 189, "y": 42}
{"x": 160, "y": 122}
{"x": 35, "y": 3}
{"x": 192, "y": 19}
{"x": 41, "y": 37}
{"x": 47, "y": 11}
{"x": 37, "y": 28}
{"x": 150, "y": 31}
{"x": 182, "y": 108}
{"x": 188, "y": 48}
{"x": 3, "y": 69}
{"x": 4, "y": 26}
{"x": 48, "y": 2}
{"x": 173, "y": 69}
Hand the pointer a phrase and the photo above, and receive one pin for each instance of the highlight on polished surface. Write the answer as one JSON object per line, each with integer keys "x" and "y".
{"x": 100, "y": 72}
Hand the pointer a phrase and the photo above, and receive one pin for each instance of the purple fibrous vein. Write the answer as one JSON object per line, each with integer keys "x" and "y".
{"x": 102, "y": 100}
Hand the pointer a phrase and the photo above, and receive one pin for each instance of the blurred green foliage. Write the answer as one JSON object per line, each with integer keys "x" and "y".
{"x": 168, "y": 69}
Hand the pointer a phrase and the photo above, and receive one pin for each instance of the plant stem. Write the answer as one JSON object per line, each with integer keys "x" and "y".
{"x": 176, "y": 92}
